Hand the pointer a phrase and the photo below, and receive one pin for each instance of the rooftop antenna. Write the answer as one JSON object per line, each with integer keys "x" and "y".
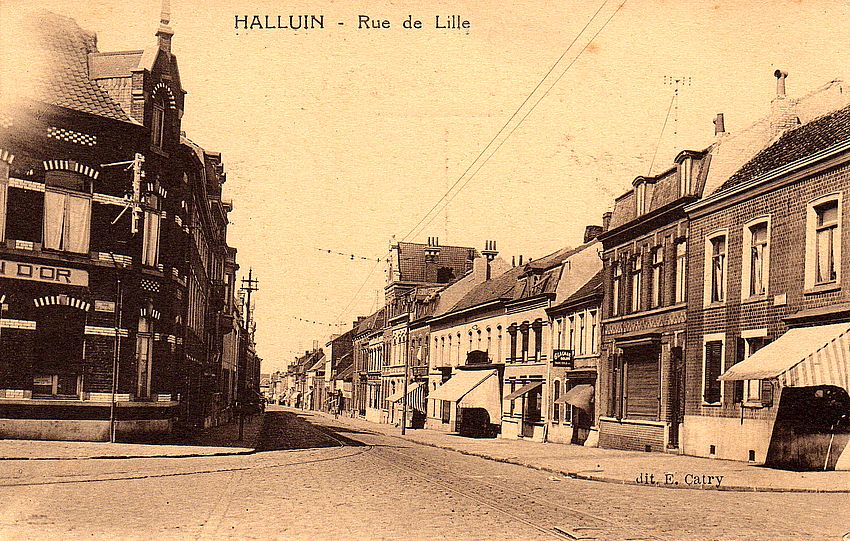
{"x": 676, "y": 82}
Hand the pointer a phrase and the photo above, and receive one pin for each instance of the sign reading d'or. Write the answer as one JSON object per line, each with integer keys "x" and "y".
{"x": 43, "y": 273}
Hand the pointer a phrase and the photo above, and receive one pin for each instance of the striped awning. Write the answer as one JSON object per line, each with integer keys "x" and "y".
{"x": 399, "y": 394}
{"x": 802, "y": 357}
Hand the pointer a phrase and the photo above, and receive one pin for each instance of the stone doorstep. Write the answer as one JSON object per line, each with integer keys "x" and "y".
{"x": 584, "y": 476}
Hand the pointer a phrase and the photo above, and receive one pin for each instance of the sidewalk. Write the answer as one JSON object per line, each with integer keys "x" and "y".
{"x": 217, "y": 441}
{"x": 624, "y": 467}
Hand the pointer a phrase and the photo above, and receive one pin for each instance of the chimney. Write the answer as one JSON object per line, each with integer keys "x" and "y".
{"x": 719, "y": 126}
{"x": 606, "y": 220}
{"x": 780, "y": 82}
{"x": 520, "y": 261}
{"x": 432, "y": 250}
{"x": 489, "y": 252}
{"x": 782, "y": 115}
{"x": 513, "y": 261}
{"x": 591, "y": 232}
{"x": 165, "y": 33}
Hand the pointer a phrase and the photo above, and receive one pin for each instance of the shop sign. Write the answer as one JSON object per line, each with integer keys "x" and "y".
{"x": 104, "y": 306}
{"x": 562, "y": 358}
{"x": 43, "y": 273}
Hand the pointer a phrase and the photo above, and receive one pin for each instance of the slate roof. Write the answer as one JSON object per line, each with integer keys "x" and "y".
{"x": 510, "y": 286}
{"x": 60, "y": 67}
{"x": 591, "y": 288}
{"x": 412, "y": 261}
{"x": 797, "y": 143}
{"x": 371, "y": 323}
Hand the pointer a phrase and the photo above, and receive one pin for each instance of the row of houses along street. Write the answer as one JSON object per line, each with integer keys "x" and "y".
{"x": 120, "y": 317}
{"x": 707, "y": 314}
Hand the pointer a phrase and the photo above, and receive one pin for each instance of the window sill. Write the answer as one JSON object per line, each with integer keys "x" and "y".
{"x": 822, "y": 288}
{"x": 715, "y": 304}
{"x": 755, "y": 298}
{"x": 751, "y": 404}
{"x": 712, "y": 404}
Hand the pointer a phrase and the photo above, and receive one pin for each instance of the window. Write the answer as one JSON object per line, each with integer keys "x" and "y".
{"x": 594, "y": 325}
{"x": 685, "y": 174}
{"x": 58, "y": 351}
{"x": 512, "y": 330}
{"x": 513, "y": 402}
{"x": 640, "y": 197}
{"x": 716, "y": 268}
{"x": 756, "y": 257}
{"x": 158, "y": 122}
{"x": 712, "y": 389}
{"x": 4, "y": 191}
{"x": 573, "y": 334}
{"x": 524, "y": 330}
{"x": 656, "y": 286}
{"x": 144, "y": 357}
{"x": 581, "y": 334}
{"x": 752, "y": 388}
{"x": 823, "y": 242}
{"x": 67, "y": 221}
{"x": 615, "y": 292}
{"x": 499, "y": 343}
{"x": 538, "y": 338}
{"x": 556, "y": 408}
{"x": 150, "y": 241}
{"x": 681, "y": 271}
{"x": 533, "y": 403}
{"x": 826, "y": 238}
{"x": 568, "y": 409}
{"x": 637, "y": 271}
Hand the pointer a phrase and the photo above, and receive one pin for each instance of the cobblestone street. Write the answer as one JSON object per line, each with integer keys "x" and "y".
{"x": 317, "y": 478}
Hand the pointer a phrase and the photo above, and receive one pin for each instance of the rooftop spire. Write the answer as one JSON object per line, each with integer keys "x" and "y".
{"x": 165, "y": 32}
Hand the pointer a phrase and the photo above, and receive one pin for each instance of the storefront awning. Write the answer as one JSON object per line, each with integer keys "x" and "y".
{"x": 398, "y": 395}
{"x": 802, "y": 357}
{"x": 580, "y": 396}
{"x": 524, "y": 389}
{"x": 460, "y": 384}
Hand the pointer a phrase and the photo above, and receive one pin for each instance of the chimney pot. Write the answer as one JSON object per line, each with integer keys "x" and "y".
{"x": 780, "y": 82}
{"x": 520, "y": 261}
{"x": 719, "y": 125}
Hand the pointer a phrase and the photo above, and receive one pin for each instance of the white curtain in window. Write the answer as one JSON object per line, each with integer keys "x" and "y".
{"x": 824, "y": 262}
{"x": 77, "y": 224}
{"x": 150, "y": 249}
{"x": 54, "y": 219}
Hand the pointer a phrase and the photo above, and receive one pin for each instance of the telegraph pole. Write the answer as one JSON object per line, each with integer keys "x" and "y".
{"x": 249, "y": 285}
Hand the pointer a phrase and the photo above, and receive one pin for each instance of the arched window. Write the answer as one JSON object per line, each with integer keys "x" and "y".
{"x": 158, "y": 121}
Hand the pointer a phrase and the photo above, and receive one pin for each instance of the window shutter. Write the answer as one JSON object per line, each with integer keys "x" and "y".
{"x": 712, "y": 371}
{"x": 766, "y": 392}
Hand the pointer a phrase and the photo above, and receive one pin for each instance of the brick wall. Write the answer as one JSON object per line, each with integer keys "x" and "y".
{"x": 786, "y": 206}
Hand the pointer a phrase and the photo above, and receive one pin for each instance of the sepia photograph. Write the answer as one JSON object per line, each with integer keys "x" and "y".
{"x": 395, "y": 270}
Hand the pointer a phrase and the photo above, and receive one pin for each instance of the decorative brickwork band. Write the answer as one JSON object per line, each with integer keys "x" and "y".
{"x": 150, "y": 312}
{"x": 68, "y": 165}
{"x": 61, "y": 300}
{"x": 71, "y": 136}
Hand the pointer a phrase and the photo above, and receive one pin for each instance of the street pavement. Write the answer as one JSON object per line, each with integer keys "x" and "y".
{"x": 315, "y": 477}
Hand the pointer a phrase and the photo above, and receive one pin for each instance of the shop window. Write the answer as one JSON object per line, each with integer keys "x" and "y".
{"x": 533, "y": 405}
{"x": 556, "y": 408}
{"x": 144, "y": 357}
{"x": 568, "y": 409}
{"x": 59, "y": 338}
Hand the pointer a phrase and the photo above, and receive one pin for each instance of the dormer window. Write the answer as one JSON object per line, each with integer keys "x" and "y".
{"x": 640, "y": 197}
{"x": 158, "y": 122}
{"x": 686, "y": 168}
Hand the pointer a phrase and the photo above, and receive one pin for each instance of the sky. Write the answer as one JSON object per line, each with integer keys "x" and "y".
{"x": 343, "y": 139}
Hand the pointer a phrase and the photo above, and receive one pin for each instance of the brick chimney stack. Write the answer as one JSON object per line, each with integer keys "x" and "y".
{"x": 719, "y": 125}
{"x": 489, "y": 252}
{"x": 606, "y": 220}
{"x": 782, "y": 115}
{"x": 591, "y": 232}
